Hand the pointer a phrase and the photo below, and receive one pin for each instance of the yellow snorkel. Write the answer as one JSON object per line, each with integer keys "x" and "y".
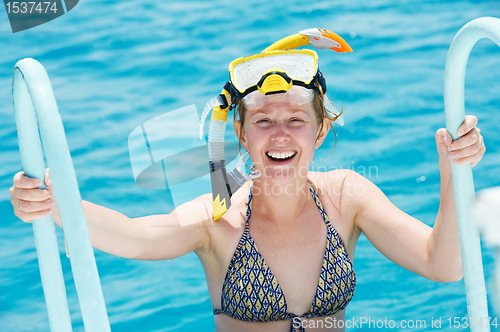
{"x": 318, "y": 38}
{"x": 272, "y": 81}
{"x": 221, "y": 190}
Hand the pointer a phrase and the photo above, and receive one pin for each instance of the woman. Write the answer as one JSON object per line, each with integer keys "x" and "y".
{"x": 280, "y": 258}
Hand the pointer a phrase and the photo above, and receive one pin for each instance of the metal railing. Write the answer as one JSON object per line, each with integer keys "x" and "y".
{"x": 463, "y": 185}
{"x": 37, "y": 116}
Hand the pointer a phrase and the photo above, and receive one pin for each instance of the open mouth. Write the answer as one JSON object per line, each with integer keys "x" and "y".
{"x": 281, "y": 156}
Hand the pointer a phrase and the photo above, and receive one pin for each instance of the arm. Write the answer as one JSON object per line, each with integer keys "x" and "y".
{"x": 148, "y": 238}
{"x": 444, "y": 243}
{"x": 430, "y": 252}
{"x": 153, "y": 237}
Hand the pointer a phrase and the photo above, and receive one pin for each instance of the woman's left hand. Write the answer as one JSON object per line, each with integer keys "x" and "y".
{"x": 469, "y": 148}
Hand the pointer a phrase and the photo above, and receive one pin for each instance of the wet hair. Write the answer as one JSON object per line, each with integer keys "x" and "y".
{"x": 319, "y": 110}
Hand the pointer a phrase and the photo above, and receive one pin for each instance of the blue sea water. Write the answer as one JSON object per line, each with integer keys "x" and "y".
{"x": 116, "y": 64}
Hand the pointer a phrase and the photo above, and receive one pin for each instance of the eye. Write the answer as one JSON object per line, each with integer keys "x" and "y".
{"x": 263, "y": 121}
{"x": 295, "y": 121}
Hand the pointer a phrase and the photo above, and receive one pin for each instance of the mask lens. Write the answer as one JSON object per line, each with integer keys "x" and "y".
{"x": 247, "y": 72}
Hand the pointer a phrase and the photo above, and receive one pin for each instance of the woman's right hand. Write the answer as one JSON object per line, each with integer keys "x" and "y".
{"x": 29, "y": 202}
{"x": 151, "y": 237}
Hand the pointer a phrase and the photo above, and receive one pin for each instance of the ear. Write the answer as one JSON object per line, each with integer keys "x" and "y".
{"x": 321, "y": 135}
{"x": 243, "y": 141}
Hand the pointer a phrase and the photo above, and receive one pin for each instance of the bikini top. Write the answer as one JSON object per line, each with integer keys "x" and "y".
{"x": 251, "y": 292}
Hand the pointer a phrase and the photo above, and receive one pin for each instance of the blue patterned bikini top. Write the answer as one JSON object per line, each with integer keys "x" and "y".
{"x": 251, "y": 292}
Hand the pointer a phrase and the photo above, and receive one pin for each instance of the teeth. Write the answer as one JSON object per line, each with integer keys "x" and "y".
{"x": 280, "y": 155}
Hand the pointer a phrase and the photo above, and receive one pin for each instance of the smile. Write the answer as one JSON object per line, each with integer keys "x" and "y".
{"x": 281, "y": 156}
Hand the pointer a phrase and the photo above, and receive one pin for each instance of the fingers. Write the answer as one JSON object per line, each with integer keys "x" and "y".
{"x": 29, "y": 202}
{"x": 32, "y": 210}
{"x": 28, "y": 216}
{"x": 469, "y": 124}
{"x": 469, "y": 139}
{"x": 473, "y": 160}
{"x": 34, "y": 207}
{"x": 482, "y": 152}
{"x": 36, "y": 195}
{"x": 22, "y": 181}
{"x": 48, "y": 180}
{"x": 443, "y": 140}
{"x": 443, "y": 136}
{"x": 467, "y": 151}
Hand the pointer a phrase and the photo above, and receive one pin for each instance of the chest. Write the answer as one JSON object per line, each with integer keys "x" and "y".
{"x": 294, "y": 252}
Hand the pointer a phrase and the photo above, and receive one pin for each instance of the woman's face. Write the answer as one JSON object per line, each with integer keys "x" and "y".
{"x": 281, "y": 139}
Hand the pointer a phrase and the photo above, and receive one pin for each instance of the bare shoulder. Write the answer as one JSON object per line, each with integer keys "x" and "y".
{"x": 199, "y": 213}
{"x": 361, "y": 194}
{"x": 230, "y": 226}
{"x": 345, "y": 188}
{"x": 238, "y": 206}
{"x": 340, "y": 181}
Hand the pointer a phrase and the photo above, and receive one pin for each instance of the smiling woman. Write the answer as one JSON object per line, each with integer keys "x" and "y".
{"x": 116, "y": 64}
{"x": 279, "y": 258}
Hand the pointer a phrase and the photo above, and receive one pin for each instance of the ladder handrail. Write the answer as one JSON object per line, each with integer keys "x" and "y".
{"x": 34, "y": 102}
{"x": 463, "y": 185}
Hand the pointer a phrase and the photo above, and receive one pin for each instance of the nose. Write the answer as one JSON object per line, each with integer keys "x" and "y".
{"x": 280, "y": 133}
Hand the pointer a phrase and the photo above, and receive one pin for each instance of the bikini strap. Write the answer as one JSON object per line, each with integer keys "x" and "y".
{"x": 249, "y": 209}
{"x": 336, "y": 236}
{"x": 296, "y": 320}
{"x": 246, "y": 232}
{"x": 319, "y": 205}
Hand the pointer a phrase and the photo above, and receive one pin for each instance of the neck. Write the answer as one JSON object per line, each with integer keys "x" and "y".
{"x": 280, "y": 203}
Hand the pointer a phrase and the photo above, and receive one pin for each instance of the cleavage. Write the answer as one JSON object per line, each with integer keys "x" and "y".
{"x": 294, "y": 252}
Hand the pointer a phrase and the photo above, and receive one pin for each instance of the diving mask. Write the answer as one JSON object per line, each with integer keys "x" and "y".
{"x": 275, "y": 72}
